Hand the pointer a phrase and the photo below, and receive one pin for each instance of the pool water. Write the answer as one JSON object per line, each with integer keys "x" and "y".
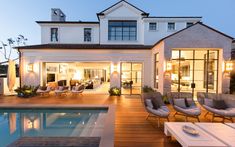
{"x": 17, "y": 123}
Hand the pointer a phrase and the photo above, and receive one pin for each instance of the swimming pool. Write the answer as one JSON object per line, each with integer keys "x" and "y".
{"x": 38, "y": 122}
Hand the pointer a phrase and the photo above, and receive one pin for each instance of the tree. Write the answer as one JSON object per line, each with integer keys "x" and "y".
{"x": 8, "y": 47}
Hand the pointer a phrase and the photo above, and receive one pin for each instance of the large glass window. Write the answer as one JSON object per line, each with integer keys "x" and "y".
{"x": 195, "y": 71}
{"x": 122, "y": 30}
{"x": 156, "y": 71}
{"x": 87, "y": 34}
{"x": 54, "y": 34}
{"x": 171, "y": 26}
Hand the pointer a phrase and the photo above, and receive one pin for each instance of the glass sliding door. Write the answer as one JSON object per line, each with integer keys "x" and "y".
{"x": 131, "y": 78}
{"x": 194, "y": 71}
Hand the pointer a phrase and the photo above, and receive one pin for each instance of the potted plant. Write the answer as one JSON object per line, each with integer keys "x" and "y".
{"x": 26, "y": 91}
{"x": 115, "y": 91}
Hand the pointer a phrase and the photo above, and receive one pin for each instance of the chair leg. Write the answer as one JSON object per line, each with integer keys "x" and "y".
{"x": 147, "y": 117}
{"x": 232, "y": 120}
{"x": 175, "y": 114}
{"x": 212, "y": 119}
{"x": 206, "y": 114}
{"x": 198, "y": 119}
{"x": 186, "y": 118}
{"x": 158, "y": 122}
{"x": 223, "y": 119}
{"x": 168, "y": 119}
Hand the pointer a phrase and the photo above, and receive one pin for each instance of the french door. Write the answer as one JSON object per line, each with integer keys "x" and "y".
{"x": 131, "y": 78}
{"x": 195, "y": 71}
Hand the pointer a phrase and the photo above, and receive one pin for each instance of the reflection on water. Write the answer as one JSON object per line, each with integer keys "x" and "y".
{"x": 50, "y": 123}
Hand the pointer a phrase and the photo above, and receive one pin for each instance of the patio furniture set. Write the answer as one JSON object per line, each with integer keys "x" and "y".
{"x": 61, "y": 90}
{"x": 219, "y": 105}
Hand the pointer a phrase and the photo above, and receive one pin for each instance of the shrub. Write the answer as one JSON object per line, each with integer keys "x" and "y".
{"x": 147, "y": 89}
{"x": 26, "y": 91}
{"x": 114, "y": 91}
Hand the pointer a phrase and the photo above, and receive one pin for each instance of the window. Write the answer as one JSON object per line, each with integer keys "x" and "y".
{"x": 171, "y": 26}
{"x": 152, "y": 26}
{"x": 189, "y": 24}
{"x": 122, "y": 30}
{"x": 87, "y": 34}
{"x": 156, "y": 72}
{"x": 54, "y": 34}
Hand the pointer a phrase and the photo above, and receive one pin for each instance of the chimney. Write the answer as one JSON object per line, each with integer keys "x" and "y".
{"x": 57, "y": 15}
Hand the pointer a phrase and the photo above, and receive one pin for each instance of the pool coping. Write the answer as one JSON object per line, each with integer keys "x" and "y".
{"x": 107, "y": 138}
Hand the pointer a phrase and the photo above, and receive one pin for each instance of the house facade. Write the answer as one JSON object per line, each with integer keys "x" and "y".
{"x": 128, "y": 48}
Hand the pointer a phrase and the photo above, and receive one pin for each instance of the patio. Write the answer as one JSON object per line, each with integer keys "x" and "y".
{"x": 130, "y": 124}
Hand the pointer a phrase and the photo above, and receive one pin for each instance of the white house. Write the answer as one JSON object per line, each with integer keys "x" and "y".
{"x": 128, "y": 48}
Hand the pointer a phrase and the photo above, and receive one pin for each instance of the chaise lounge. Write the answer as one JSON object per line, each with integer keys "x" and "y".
{"x": 184, "y": 105}
{"x": 220, "y": 105}
{"x": 150, "y": 100}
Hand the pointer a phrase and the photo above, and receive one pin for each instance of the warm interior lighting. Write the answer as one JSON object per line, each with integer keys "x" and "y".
{"x": 30, "y": 67}
{"x": 228, "y": 66}
{"x": 77, "y": 75}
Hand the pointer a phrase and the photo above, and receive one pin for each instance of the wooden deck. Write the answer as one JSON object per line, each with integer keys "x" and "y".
{"x": 131, "y": 127}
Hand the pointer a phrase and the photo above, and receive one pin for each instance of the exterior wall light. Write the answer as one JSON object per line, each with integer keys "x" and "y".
{"x": 228, "y": 66}
{"x": 30, "y": 67}
{"x": 168, "y": 66}
{"x": 115, "y": 69}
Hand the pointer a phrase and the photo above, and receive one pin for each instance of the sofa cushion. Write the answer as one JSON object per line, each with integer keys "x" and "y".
{"x": 155, "y": 103}
{"x": 180, "y": 103}
{"x": 189, "y": 102}
{"x": 208, "y": 102}
{"x": 149, "y": 103}
{"x": 219, "y": 104}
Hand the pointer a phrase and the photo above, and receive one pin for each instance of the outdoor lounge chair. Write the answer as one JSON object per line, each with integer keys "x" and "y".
{"x": 44, "y": 91}
{"x": 184, "y": 105}
{"x": 161, "y": 112}
{"x": 224, "y": 107}
{"x": 78, "y": 89}
{"x": 61, "y": 90}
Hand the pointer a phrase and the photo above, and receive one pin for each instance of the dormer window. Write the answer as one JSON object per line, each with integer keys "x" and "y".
{"x": 122, "y": 30}
{"x": 171, "y": 26}
{"x": 54, "y": 35}
{"x": 87, "y": 34}
{"x": 152, "y": 26}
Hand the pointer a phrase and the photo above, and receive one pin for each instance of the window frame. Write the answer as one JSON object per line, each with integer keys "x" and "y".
{"x": 187, "y": 24}
{"x": 156, "y": 26}
{"x": 156, "y": 70}
{"x": 122, "y": 31}
{"x": 56, "y": 33}
{"x": 84, "y": 37}
{"x": 168, "y": 24}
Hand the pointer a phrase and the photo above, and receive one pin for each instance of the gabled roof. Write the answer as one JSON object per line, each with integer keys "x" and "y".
{"x": 86, "y": 46}
{"x": 192, "y": 26}
{"x": 102, "y": 12}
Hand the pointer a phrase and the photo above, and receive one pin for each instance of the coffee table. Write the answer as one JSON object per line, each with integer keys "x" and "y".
{"x": 204, "y": 139}
{"x": 231, "y": 125}
{"x": 220, "y": 131}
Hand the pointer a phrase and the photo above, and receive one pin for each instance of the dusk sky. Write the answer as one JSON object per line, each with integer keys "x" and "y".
{"x": 19, "y": 16}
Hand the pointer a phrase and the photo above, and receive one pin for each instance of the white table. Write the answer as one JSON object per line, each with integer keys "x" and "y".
{"x": 231, "y": 125}
{"x": 220, "y": 131}
{"x": 202, "y": 140}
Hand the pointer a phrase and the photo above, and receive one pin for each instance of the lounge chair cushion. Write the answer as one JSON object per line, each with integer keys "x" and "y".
{"x": 219, "y": 104}
{"x": 60, "y": 88}
{"x": 180, "y": 102}
{"x": 208, "y": 102}
{"x": 192, "y": 110}
{"x": 156, "y": 103}
{"x": 149, "y": 103}
{"x": 189, "y": 102}
{"x": 159, "y": 112}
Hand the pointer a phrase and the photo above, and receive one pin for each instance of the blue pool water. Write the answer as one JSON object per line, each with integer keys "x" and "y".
{"x": 17, "y": 123}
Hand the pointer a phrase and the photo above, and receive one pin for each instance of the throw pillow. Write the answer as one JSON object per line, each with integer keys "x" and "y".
{"x": 76, "y": 88}
{"x": 208, "y": 102}
{"x": 149, "y": 103}
{"x": 60, "y": 88}
{"x": 180, "y": 103}
{"x": 219, "y": 104}
{"x": 156, "y": 104}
